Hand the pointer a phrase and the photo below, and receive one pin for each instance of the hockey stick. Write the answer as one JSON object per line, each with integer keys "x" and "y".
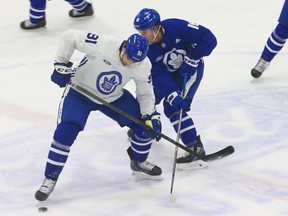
{"x": 172, "y": 197}
{"x": 132, "y": 118}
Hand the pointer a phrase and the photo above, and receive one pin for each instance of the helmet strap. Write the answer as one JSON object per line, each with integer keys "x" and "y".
{"x": 154, "y": 32}
{"x": 122, "y": 53}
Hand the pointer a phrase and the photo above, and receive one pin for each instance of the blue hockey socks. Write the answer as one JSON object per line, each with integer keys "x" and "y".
{"x": 275, "y": 42}
{"x": 64, "y": 136}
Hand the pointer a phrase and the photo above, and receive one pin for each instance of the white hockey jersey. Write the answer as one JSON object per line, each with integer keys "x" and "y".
{"x": 102, "y": 72}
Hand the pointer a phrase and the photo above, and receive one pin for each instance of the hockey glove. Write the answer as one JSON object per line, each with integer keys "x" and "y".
{"x": 188, "y": 66}
{"x": 62, "y": 73}
{"x": 154, "y": 122}
{"x": 178, "y": 102}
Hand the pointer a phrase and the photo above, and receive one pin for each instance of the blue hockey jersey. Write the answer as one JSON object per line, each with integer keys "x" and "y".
{"x": 180, "y": 38}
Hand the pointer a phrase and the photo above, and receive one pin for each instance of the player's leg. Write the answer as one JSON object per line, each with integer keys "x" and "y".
{"x": 274, "y": 44}
{"x": 37, "y": 15}
{"x": 81, "y": 8}
{"x": 283, "y": 18}
{"x": 73, "y": 113}
{"x": 141, "y": 142}
{"x": 188, "y": 133}
{"x": 140, "y": 139}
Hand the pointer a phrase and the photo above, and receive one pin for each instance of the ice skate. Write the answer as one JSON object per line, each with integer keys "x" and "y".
{"x": 45, "y": 190}
{"x": 87, "y": 12}
{"x": 28, "y": 25}
{"x": 145, "y": 169}
{"x": 190, "y": 161}
{"x": 259, "y": 68}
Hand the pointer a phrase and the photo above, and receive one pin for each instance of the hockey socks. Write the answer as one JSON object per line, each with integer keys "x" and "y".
{"x": 64, "y": 136}
{"x": 188, "y": 132}
{"x": 275, "y": 42}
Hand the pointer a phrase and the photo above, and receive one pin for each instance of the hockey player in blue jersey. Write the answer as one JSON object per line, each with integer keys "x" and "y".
{"x": 176, "y": 49}
{"x": 274, "y": 44}
{"x": 108, "y": 65}
{"x": 38, "y": 7}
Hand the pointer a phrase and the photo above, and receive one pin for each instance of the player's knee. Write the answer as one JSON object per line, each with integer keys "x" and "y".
{"x": 66, "y": 133}
{"x": 282, "y": 31}
{"x": 140, "y": 133}
{"x": 169, "y": 110}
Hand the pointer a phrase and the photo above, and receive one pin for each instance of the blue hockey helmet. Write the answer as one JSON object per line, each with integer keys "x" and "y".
{"x": 137, "y": 47}
{"x": 146, "y": 18}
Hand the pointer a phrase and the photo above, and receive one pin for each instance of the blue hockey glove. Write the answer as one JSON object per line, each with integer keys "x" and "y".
{"x": 62, "y": 73}
{"x": 178, "y": 102}
{"x": 188, "y": 66}
{"x": 154, "y": 122}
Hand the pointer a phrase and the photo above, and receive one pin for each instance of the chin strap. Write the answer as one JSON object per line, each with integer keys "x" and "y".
{"x": 155, "y": 33}
{"x": 121, "y": 53}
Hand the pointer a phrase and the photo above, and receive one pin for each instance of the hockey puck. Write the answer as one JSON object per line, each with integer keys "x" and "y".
{"x": 42, "y": 209}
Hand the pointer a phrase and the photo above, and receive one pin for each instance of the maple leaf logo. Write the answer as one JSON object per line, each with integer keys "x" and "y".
{"x": 175, "y": 60}
{"x": 108, "y": 84}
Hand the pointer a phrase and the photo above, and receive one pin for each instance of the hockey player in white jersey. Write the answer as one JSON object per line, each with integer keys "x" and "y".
{"x": 108, "y": 65}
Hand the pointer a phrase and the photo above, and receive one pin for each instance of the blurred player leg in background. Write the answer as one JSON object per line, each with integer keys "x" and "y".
{"x": 37, "y": 19}
{"x": 274, "y": 43}
{"x": 80, "y": 8}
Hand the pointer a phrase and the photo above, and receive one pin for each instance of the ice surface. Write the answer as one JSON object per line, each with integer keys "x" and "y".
{"x": 230, "y": 108}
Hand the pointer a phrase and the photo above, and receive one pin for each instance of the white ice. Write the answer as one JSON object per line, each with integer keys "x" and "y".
{"x": 230, "y": 108}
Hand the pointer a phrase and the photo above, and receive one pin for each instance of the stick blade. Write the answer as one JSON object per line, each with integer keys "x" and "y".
{"x": 172, "y": 199}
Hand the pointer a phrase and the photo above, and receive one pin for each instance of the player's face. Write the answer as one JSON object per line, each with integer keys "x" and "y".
{"x": 148, "y": 34}
{"x": 153, "y": 34}
{"x": 126, "y": 61}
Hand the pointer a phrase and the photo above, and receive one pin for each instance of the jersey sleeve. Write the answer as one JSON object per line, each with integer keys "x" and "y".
{"x": 72, "y": 40}
{"x": 202, "y": 40}
{"x": 144, "y": 89}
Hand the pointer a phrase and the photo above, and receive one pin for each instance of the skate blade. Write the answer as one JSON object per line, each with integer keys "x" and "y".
{"x": 195, "y": 165}
{"x": 141, "y": 175}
